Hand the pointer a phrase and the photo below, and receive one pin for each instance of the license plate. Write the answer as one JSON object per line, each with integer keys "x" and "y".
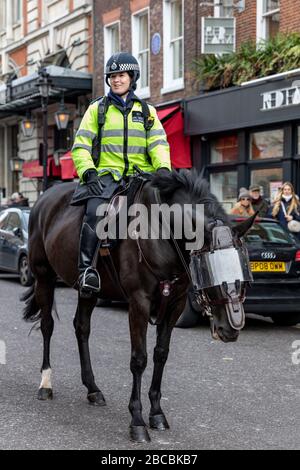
{"x": 267, "y": 266}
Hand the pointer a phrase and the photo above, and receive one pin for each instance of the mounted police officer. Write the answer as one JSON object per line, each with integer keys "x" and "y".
{"x": 117, "y": 132}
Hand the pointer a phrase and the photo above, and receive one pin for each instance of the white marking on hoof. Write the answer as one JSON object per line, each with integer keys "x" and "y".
{"x": 46, "y": 379}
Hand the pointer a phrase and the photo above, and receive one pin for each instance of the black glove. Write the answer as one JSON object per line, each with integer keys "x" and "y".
{"x": 163, "y": 171}
{"x": 89, "y": 176}
{"x": 93, "y": 181}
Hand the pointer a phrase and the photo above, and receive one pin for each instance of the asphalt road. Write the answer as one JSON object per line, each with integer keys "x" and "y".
{"x": 244, "y": 395}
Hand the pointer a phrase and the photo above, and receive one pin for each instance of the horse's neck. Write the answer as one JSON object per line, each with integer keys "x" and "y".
{"x": 161, "y": 251}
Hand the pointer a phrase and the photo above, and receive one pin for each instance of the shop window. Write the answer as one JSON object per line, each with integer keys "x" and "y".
{"x": 269, "y": 179}
{"x": 224, "y": 149}
{"x": 267, "y": 144}
{"x": 298, "y": 146}
{"x": 224, "y": 187}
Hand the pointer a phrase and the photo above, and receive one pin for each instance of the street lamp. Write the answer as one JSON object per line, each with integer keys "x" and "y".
{"x": 62, "y": 116}
{"x": 27, "y": 126}
{"x": 44, "y": 84}
{"x": 16, "y": 164}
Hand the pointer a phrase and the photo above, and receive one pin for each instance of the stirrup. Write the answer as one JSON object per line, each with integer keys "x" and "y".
{"x": 84, "y": 286}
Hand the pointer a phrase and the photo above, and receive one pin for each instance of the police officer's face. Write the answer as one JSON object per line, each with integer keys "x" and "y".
{"x": 120, "y": 83}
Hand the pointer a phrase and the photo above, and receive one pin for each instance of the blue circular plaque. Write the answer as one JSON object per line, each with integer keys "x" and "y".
{"x": 155, "y": 43}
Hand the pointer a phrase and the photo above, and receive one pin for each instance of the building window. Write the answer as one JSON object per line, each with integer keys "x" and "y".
{"x": 111, "y": 42}
{"x": 266, "y": 144}
{"x": 141, "y": 49}
{"x": 269, "y": 179}
{"x": 225, "y": 187}
{"x": 173, "y": 45}
{"x": 268, "y": 18}
{"x": 223, "y": 9}
{"x": 17, "y": 13}
{"x": 2, "y": 15}
{"x": 224, "y": 149}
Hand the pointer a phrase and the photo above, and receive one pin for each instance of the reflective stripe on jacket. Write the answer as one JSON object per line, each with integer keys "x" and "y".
{"x": 124, "y": 142}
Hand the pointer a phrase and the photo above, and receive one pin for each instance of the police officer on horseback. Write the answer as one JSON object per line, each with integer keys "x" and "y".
{"x": 117, "y": 132}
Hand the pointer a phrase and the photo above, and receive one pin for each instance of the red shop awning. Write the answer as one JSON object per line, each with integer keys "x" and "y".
{"x": 33, "y": 169}
{"x": 68, "y": 170}
{"x": 172, "y": 120}
{"x": 65, "y": 170}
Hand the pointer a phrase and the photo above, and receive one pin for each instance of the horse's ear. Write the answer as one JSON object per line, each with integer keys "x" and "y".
{"x": 241, "y": 229}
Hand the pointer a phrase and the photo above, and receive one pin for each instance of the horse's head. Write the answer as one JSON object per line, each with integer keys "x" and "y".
{"x": 220, "y": 272}
{"x": 219, "y": 265}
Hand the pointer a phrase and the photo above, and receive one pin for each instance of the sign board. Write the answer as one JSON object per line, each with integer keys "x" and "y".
{"x": 218, "y": 35}
{"x": 278, "y": 99}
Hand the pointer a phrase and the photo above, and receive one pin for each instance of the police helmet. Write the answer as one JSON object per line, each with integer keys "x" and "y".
{"x": 123, "y": 62}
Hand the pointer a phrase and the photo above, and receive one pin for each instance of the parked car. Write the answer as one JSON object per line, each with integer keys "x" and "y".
{"x": 14, "y": 243}
{"x": 274, "y": 257}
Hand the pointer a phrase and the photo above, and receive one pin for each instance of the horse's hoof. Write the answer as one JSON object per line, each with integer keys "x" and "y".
{"x": 96, "y": 398}
{"x": 45, "y": 394}
{"x": 139, "y": 434}
{"x": 158, "y": 422}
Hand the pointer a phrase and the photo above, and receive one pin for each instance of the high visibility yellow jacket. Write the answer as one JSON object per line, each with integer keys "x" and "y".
{"x": 124, "y": 142}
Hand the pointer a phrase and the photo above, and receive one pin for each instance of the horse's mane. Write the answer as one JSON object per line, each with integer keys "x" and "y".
{"x": 194, "y": 186}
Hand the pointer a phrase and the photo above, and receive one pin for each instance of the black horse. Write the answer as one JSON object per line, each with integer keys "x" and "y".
{"x": 143, "y": 267}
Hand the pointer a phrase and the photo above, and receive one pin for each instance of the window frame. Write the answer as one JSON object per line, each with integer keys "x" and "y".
{"x": 3, "y": 9}
{"x": 107, "y": 41}
{"x": 261, "y": 20}
{"x": 18, "y": 4}
{"x": 218, "y": 13}
{"x": 135, "y": 28}
{"x": 169, "y": 83}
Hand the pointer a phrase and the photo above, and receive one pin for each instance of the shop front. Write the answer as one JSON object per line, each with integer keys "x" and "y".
{"x": 248, "y": 134}
{"x": 37, "y": 126}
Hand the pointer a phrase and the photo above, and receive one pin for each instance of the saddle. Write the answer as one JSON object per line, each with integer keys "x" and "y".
{"x": 116, "y": 205}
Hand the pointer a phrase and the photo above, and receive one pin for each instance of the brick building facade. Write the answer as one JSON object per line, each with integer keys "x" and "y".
{"x": 252, "y": 23}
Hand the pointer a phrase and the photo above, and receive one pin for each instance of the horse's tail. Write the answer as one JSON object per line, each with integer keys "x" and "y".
{"x": 32, "y": 311}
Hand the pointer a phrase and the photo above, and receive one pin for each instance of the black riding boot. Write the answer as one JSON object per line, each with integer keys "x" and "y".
{"x": 89, "y": 279}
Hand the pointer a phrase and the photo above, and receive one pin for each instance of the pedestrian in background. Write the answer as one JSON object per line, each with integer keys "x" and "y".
{"x": 18, "y": 200}
{"x": 243, "y": 207}
{"x": 258, "y": 202}
{"x": 286, "y": 207}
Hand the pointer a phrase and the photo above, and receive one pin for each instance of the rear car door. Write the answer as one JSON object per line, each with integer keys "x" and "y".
{"x": 3, "y": 222}
{"x": 12, "y": 241}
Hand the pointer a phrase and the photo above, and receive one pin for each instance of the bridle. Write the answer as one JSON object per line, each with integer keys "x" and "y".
{"x": 230, "y": 298}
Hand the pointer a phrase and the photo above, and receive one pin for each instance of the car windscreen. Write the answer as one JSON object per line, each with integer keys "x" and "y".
{"x": 268, "y": 232}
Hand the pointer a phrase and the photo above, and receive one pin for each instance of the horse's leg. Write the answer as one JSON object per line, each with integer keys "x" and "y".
{"x": 44, "y": 293}
{"x": 138, "y": 329}
{"x": 82, "y": 324}
{"x": 157, "y": 419}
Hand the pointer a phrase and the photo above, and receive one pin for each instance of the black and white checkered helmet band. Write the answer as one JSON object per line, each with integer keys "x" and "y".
{"x": 115, "y": 67}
